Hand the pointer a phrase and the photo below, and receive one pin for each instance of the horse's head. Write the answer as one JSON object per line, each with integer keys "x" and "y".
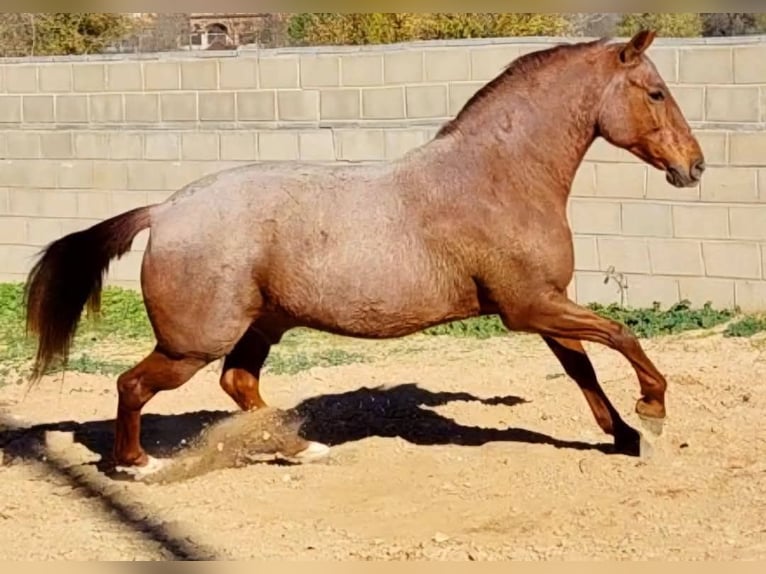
{"x": 638, "y": 113}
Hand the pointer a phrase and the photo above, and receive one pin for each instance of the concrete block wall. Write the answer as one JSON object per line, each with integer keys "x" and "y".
{"x": 85, "y": 138}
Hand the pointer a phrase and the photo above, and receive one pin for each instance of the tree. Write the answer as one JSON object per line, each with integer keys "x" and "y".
{"x": 733, "y": 23}
{"x": 46, "y": 34}
{"x": 387, "y": 27}
{"x": 665, "y": 24}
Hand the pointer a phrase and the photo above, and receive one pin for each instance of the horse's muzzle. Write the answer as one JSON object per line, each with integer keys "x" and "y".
{"x": 680, "y": 177}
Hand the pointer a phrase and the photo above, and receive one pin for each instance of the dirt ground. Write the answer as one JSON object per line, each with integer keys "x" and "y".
{"x": 442, "y": 448}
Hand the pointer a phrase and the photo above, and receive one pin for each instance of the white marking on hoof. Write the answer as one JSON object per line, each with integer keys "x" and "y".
{"x": 152, "y": 466}
{"x": 653, "y": 425}
{"x": 645, "y": 448}
{"x": 314, "y": 451}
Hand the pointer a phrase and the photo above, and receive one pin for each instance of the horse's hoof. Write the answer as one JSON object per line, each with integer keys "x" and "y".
{"x": 646, "y": 449}
{"x": 628, "y": 442}
{"x": 314, "y": 451}
{"x": 653, "y": 425}
{"x": 152, "y": 466}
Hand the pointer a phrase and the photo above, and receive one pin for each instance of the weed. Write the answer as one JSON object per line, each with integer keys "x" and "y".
{"x": 745, "y": 327}
{"x": 282, "y": 363}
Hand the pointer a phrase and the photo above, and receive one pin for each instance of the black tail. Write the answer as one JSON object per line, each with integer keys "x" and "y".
{"x": 70, "y": 275}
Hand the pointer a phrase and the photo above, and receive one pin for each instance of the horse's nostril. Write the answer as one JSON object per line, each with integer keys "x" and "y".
{"x": 697, "y": 168}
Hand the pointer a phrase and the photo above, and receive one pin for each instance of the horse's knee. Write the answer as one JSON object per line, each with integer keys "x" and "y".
{"x": 130, "y": 390}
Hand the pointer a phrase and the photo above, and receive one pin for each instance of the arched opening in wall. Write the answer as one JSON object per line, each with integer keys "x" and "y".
{"x": 217, "y": 36}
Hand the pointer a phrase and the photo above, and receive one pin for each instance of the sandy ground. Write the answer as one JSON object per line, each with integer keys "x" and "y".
{"x": 442, "y": 448}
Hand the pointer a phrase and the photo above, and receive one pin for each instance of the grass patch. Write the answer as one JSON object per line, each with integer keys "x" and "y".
{"x": 123, "y": 320}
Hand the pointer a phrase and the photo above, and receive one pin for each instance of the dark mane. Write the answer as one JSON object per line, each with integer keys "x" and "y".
{"x": 513, "y": 71}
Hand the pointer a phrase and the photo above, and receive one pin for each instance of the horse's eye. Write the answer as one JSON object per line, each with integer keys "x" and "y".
{"x": 657, "y": 95}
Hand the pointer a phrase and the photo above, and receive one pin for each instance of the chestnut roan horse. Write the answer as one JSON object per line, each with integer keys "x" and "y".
{"x": 471, "y": 223}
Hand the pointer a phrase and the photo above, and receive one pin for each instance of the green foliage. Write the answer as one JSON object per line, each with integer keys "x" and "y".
{"x": 677, "y": 25}
{"x": 745, "y": 327}
{"x": 60, "y": 33}
{"x": 326, "y": 28}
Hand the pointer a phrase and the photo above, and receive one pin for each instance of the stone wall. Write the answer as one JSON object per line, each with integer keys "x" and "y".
{"x": 85, "y": 138}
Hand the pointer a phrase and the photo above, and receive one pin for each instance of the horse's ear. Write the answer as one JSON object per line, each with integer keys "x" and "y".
{"x": 636, "y": 46}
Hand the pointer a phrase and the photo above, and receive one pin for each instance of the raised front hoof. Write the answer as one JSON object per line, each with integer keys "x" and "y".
{"x": 141, "y": 472}
{"x": 313, "y": 452}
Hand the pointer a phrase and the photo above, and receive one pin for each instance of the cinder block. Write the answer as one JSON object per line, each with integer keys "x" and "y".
{"x": 16, "y": 260}
{"x": 178, "y": 107}
{"x": 748, "y": 222}
{"x": 199, "y": 75}
{"x": 703, "y": 65}
{"x": 427, "y": 102}
{"x": 676, "y": 257}
{"x": 405, "y": 67}
{"x": 298, "y": 105}
{"x": 13, "y": 230}
{"x": 400, "y": 142}
{"x": 161, "y": 146}
{"x": 603, "y": 151}
{"x": 747, "y": 148}
{"x": 361, "y": 145}
{"x": 92, "y": 205}
{"x": 460, "y": 93}
{"x": 713, "y": 144}
{"x": 55, "y": 77}
{"x": 106, "y": 108}
{"x": 110, "y": 175}
{"x": 91, "y": 145}
{"x": 38, "y": 109}
{"x": 447, "y": 65}
{"x": 691, "y": 100}
{"x": 750, "y": 296}
{"x": 729, "y": 184}
{"x": 142, "y": 108}
{"x": 627, "y": 255}
{"x": 162, "y": 76}
{"x": 175, "y": 175}
{"x": 647, "y": 219}
{"x": 238, "y": 74}
{"x": 41, "y": 231}
{"x": 10, "y": 109}
{"x": 666, "y": 62}
{"x": 56, "y": 145}
{"x": 732, "y": 259}
{"x": 21, "y": 78}
{"x": 320, "y": 71}
{"x": 72, "y": 109}
{"x": 358, "y": 70}
{"x": 22, "y": 145}
{"x": 199, "y": 146}
{"x": 620, "y": 180}
{"x": 89, "y": 77}
{"x": 340, "y": 104}
{"x": 732, "y": 104}
{"x": 125, "y": 146}
{"x": 383, "y": 103}
{"x": 487, "y": 63}
{"x": 278, "y": 145}
{"x": 595, "y": 217}
{"x": 41, "y": 202}
{"x": 317, "y": 145}
{"x": 586, "y": 253}
{"x": 645, "y": 290}
{"x": 701, "y": 221}
{"x": 124, "y": 77}
{"x": 122, "y": 201}
{"x": 590, "y": 288}
{"x": 218, "y": 107}
{"x": 278, "y": 72}
{"x": 749, "y": 64}
{"x": 238, "y": 146}
{"x": 584, "y": 184}
{"x": 700, "y": 290}
{"x": 127, "y": 268}
{"x": 256, "y": 106}
{"x": 144, "y": 176}
{"x": 76, "y": 174}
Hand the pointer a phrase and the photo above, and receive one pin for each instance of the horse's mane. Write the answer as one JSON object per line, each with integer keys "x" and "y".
{"x": 516, "y": 71}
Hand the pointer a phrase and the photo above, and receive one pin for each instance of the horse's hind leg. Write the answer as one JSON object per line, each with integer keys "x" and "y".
{"x": 577, "y": 365}
{"x": 157, "y": 372}
{"x": 241, "y": 381}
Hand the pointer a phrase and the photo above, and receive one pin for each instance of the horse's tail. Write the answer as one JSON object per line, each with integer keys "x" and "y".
{"x": 70, "y": 275}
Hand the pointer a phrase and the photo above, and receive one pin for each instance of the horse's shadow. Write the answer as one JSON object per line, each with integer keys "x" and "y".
{"x": 403, "y": 411}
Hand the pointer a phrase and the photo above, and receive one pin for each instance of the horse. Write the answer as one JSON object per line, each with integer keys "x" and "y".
{"x": 472, "y": 222}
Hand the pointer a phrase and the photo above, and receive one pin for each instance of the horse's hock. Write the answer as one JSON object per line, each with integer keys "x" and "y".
{"x": 86, "y": 138}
